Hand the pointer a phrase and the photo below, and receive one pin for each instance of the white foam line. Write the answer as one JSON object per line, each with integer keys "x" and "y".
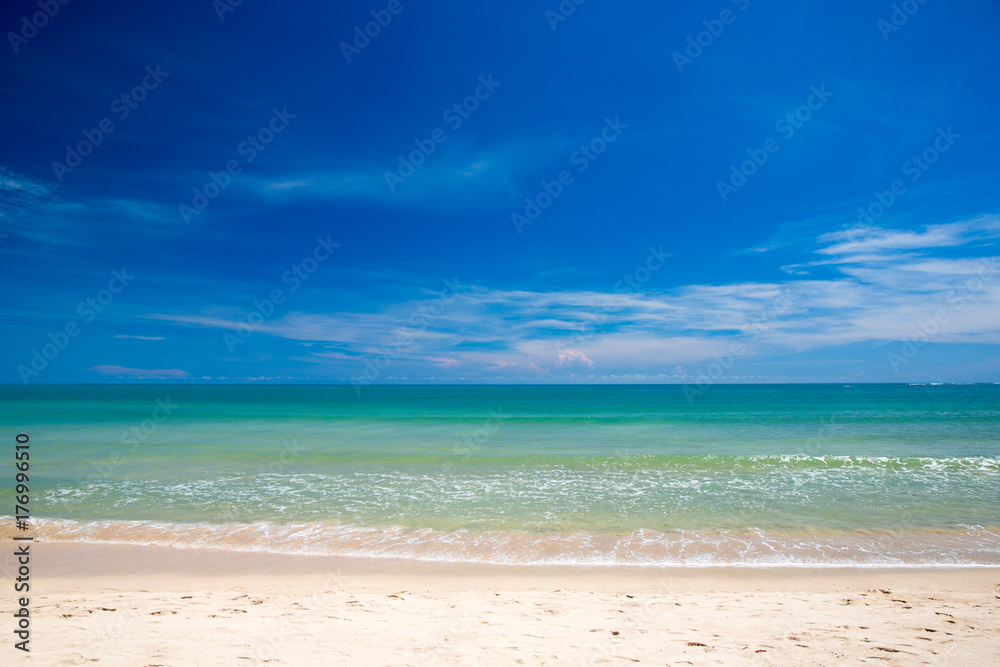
{"x": 542, "y": 563}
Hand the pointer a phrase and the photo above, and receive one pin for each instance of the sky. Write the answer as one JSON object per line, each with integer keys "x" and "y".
{"x": 517, "y": 192}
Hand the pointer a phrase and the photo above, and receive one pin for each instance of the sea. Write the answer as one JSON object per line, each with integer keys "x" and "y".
{"x": 824, "y": 475}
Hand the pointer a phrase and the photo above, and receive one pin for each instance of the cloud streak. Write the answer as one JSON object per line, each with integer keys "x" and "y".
{"x": 141, "y": 373}
{"x": 882, "y": 290}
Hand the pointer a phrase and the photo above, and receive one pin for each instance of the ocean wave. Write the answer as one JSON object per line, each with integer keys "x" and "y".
{"x": 698, "y": 493}
{"x": 791, "y": 462}
{"x": 967, "y": 546}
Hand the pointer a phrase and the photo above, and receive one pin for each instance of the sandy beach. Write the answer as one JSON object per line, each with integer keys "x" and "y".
{"x": 128, "y": 605}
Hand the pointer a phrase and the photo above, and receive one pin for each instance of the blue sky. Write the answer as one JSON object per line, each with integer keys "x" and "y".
{"x": 729, "y": 191}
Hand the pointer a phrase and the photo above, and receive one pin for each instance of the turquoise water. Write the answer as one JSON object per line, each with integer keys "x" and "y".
{"x": 745, "y": 474}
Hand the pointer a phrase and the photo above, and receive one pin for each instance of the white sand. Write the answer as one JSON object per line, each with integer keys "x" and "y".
{"x": 119, "y": 605}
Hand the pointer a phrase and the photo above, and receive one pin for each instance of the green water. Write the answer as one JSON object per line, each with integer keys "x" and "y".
{"x": 539, "y": 459}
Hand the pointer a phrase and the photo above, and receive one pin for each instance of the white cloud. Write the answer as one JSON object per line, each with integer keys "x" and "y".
{"x": 873, "y": 246}
{"x": 141, "y": 373}
{"x": 569, "y": 357}
{"x": 877, "y": 297}
{"x": 874, "y": 239}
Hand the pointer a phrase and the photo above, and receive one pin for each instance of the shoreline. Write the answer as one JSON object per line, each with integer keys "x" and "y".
{"x": 972, "y": 546}
{"x": 154, "y": 605}
{"x": 90, "y": 559}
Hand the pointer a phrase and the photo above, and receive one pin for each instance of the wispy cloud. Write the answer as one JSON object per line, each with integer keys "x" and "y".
{"x": 141, "y": 373}
{"x": 465, "y": 179}
{"x": 872, "y": 245}
{"x": 455, "y": 171}
{"x": 879, "y": 296}
{"x": 16, "y": 189}
{"x": 46, "y": 215}
{"x": 873, "y": 239}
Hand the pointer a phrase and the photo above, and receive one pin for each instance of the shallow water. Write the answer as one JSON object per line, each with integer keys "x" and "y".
{"x": 756, "y": 475}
